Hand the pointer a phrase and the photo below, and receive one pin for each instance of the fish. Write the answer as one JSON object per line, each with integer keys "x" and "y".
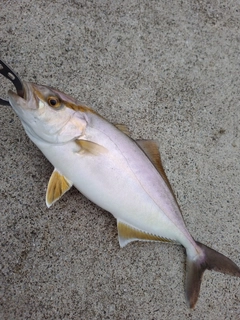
{"x": 121, "y": 175}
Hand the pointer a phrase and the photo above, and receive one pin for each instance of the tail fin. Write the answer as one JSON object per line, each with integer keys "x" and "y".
{"x": 211, "y": 260}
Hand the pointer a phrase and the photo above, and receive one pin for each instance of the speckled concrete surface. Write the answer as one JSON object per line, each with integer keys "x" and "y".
{"x": 170, "y": 71}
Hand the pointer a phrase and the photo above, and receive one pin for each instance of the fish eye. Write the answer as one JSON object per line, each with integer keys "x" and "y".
{"x": 54, "y": 102}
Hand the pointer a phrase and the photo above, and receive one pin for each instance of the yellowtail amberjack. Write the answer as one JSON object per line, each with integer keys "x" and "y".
{"x": 123, "y": 176}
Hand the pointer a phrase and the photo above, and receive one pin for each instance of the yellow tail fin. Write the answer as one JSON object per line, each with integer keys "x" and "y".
{"x": 211, "y": 260}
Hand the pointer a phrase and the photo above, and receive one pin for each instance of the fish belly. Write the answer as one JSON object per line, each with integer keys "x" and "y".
{"x": 109, "y": 181}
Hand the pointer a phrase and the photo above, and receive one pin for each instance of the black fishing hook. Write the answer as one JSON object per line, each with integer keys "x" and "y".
{"x": 8, "y": 73}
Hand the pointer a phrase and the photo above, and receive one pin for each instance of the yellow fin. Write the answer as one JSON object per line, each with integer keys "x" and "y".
{"x": 90, "y": 147}
{"x": 57, "y": 186}
{"x": 128, "y": 234}
{"x": 123, "y": 128}
{"x": 152, "y": 151}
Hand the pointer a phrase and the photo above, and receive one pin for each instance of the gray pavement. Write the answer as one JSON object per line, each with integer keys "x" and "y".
{"x": 170, "y": 71}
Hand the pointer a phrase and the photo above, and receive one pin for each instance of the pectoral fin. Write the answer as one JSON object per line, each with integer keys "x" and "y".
{"x": 127, "y": 234}
{"x": 57, "y": 186}
{"x": 90, "y": 147}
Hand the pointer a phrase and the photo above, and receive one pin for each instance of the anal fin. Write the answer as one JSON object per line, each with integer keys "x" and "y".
{"x": 57, "y": 186}
{"x": 127, "y": 234}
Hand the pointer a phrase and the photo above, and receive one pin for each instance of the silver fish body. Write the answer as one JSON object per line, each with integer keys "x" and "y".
{"x": 115, "y": 172}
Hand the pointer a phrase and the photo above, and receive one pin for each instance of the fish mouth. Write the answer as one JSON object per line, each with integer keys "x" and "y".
{"x": 8, "y": 73}
{"x": 23, "y": 94}
{"x": 25, "y": 100}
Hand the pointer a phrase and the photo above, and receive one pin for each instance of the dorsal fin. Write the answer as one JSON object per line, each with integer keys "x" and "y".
{"x": 57, "y": 186}
{"x": 123, "y": 128}
{"x": 127, "y": 234}
{"x": 151, "y": 149}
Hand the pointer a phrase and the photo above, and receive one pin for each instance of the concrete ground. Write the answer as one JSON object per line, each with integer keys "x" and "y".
{"x": 170, "y": 71}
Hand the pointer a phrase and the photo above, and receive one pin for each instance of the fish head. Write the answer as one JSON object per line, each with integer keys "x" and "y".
{"x": 48, "y": 115}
